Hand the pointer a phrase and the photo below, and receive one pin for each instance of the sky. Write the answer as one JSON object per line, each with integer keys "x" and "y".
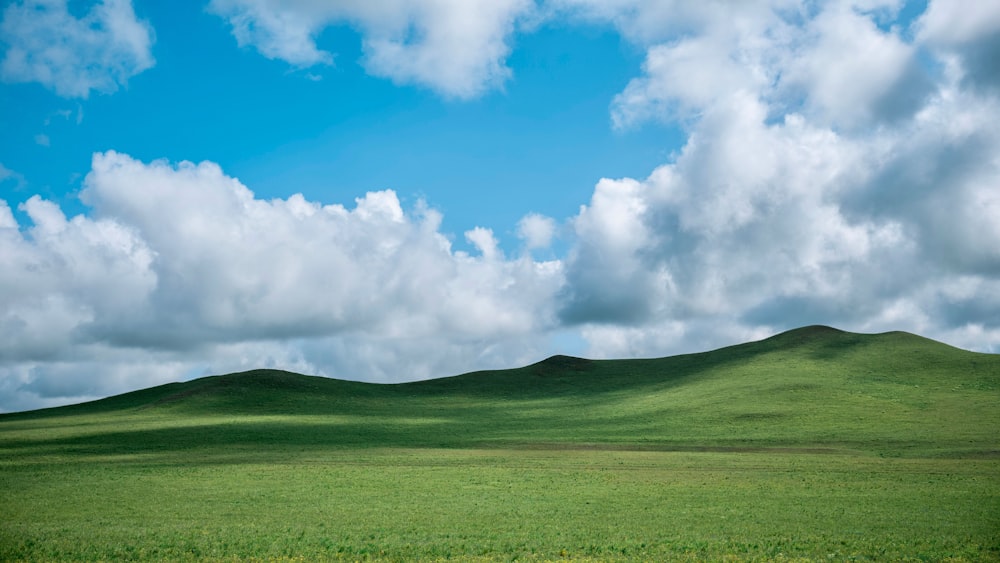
{"x": 392, "y": 190}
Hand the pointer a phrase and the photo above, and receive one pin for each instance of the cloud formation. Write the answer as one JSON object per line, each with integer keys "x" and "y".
{"x": 183, "y": 264}
{"x": 537, "y": 231}
{"x": 969, "y": 36}
{"x": 455, "y": 47}
{"x": 73, "y": 56}
{"x": 831, "y": 175}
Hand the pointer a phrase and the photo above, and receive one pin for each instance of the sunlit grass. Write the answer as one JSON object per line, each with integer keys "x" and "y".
{"x": 814, "y": 445}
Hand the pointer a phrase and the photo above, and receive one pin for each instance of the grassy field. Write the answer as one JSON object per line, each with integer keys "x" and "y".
{"x": 812, "y": 445}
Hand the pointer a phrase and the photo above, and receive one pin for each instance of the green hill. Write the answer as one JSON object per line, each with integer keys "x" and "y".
{"x": 814, "y": 387}
{"x": 815, "y": 443}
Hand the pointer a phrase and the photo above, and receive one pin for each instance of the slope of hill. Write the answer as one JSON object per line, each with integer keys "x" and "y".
{"x": 814, "y": 387}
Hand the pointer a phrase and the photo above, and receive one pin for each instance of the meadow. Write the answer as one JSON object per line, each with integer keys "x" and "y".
{"x": 814, "y": 445}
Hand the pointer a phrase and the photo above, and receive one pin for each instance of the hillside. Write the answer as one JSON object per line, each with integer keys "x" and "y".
{"x": 814, "y": 388}
{"x": 812, "y": 445}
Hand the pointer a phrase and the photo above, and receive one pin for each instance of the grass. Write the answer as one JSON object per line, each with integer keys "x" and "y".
{"x": 812, "y": 445}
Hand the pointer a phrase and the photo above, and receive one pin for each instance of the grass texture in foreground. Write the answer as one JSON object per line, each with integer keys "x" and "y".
{"x": 815, "y": 444}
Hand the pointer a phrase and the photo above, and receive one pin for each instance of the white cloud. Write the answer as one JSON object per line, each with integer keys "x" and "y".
{"x": 456, "y": 47}
{"x": 853, "y": 72}
{"x": 679, "y": 79}
{"x": 609, "y": 278}
{"x": 285, "y": 34}
{"x": 484, "y": 241}
{"x": 831, "y": 62}
{"x": 328, "y": 268}
{"x": 759, "y": 227}
{"x": 968, "y": 35}
{"x": 73, "y": 56}
{"x": 183, "y": 264}
{"x": 536, "y": 230}
{"x": 955, "y": 22}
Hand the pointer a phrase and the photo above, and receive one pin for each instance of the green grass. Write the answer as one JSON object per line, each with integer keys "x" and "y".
{"x": 815, "y": 444}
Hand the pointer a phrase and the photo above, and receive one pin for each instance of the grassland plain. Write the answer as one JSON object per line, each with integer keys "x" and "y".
{"x": 815, "y": 444}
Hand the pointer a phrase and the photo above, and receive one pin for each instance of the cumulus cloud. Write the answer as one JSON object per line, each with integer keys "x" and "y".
{"x": 537, "y": 231}
{"x": 832, "y": 63}
{"x": 72, "y": 56}
{"x": 855, "y": 74}
{"x": 610, "y": 279}
{"x": 456, "y": 47}
{"x": 830, "y": 176}
{"x": 970, "y": 34}
{"x": 181, "y": 263}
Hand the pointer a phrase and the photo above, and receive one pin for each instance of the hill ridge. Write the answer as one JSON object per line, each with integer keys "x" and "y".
{"x": 557, "y": 375}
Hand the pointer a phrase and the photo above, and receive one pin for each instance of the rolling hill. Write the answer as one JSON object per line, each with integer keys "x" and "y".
{"x": 814, "y": 387}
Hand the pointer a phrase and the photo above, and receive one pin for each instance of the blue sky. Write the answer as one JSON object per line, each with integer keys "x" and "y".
{"x": 400, "y": 189}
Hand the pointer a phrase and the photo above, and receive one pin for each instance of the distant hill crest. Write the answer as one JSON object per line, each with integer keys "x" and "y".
{"x": 792, "y": 356}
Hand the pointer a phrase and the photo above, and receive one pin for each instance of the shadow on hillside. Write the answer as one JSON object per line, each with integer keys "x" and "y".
{"x": 562, "y": 376}
{"x": 271, "y": 415}
{"x": 268, "y": 415}
{"x": 251, "y": 441}
{"x": 261, "y": 392}
{"x": 243, "y": 440}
